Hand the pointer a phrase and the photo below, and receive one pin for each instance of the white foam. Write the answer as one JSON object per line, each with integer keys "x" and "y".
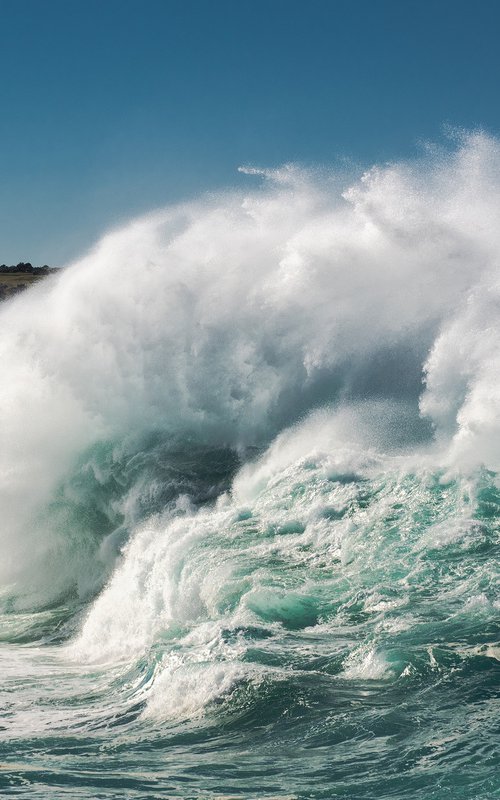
{"x": 366, "y": 663}
{"x": 188, "y": 690}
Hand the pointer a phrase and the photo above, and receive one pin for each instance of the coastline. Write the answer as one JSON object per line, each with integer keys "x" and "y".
{"x": 14, "y": 280}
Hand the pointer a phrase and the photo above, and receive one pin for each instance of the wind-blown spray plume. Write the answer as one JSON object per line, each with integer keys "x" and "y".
{"x": 221, "y": 321}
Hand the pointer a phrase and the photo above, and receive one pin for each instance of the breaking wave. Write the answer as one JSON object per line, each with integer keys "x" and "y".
{"x": 248, "y": 484}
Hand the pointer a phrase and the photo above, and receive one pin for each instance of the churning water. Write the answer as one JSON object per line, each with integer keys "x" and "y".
{"x": 249, "y": 493}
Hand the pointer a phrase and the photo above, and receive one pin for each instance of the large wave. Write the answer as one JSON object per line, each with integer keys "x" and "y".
{"x": 211, "y": 326}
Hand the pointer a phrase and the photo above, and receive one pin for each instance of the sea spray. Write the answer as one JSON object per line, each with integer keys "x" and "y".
{"x": 224, "y": 320}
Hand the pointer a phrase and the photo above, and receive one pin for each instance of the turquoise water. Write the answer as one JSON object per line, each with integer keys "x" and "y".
{"x": 250, "y": 497}
{"x": 337, "y": 636}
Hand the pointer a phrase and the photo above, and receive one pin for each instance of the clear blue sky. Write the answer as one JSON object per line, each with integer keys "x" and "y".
{"x": 113, "y": 107}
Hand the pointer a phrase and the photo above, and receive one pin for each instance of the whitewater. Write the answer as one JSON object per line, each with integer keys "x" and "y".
{"x": 250, "y": 495}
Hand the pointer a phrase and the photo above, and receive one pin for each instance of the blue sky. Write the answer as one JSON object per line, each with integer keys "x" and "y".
{"x": 112, "y": 107}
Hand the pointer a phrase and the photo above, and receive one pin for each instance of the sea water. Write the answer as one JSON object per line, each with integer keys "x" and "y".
{"x": 249, "y": 493}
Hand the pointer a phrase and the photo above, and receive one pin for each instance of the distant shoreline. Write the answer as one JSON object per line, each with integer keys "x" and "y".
{"x": 15, "y": 279}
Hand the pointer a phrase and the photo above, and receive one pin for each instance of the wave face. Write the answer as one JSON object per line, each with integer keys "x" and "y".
{"x": 250, "y": 500}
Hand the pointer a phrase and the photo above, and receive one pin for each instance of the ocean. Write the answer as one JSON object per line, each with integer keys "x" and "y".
{"x": 250, "y": 495}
